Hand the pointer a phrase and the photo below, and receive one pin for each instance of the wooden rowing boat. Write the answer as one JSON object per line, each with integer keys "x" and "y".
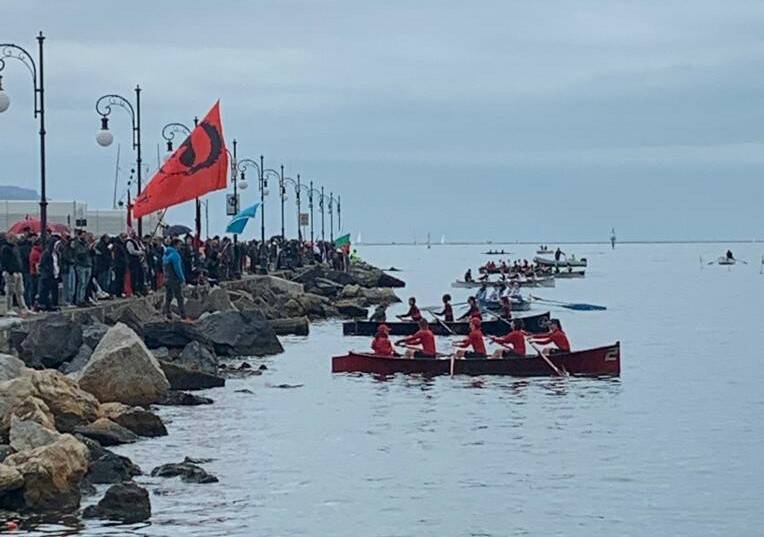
{"x": 567, "y": 274}
{"x": 518, "y": 304}
{"x": 597, "y": 362}
{"x": 526, "y": 282}
{"x": 562, "y": 263}
{"x": 531, "y": 323}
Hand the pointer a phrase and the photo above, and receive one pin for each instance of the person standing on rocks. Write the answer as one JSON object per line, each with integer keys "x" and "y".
{"x": 174, "y": 278}
{"x": 50, "y": 274}
{"x": 14, "y": 281}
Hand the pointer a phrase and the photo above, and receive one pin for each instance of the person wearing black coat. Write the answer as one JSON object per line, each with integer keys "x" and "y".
{"x": 49, "y": 276}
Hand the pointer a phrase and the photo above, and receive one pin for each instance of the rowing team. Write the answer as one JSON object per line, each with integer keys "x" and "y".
{"x": 422, "y": 343}
{"x": 473, "y": 310}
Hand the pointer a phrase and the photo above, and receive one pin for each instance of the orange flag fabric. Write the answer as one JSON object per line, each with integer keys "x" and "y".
{"x": 198, "y": 166}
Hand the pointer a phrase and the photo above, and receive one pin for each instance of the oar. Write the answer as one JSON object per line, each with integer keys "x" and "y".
{"x": 578, "y": 306}
{"x": 498, "y": 317}
{"x": 547, "y": 360}
{"x": 441, "y": 323}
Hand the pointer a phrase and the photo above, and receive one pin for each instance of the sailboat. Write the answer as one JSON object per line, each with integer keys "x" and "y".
{"x": 358, "y": 239}
{"x": 442, "y": 239}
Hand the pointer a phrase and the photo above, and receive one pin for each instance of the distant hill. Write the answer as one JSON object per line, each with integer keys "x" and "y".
{"x": 16, "y": 193}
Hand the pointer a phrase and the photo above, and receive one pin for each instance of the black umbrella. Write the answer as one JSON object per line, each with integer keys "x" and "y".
{"x": 176, "y": 230}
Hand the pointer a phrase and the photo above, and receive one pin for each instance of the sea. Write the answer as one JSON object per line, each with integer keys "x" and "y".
{"x": 672, "y": 447}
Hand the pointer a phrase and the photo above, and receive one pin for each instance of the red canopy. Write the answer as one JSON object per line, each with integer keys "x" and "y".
{"x": 34, "y": 225}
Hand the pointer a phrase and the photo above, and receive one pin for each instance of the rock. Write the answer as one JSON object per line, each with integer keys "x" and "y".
{"x": 112, "y": 468}
{"x": 287, "y": 386}
{"x": 240, "y": 333}
{"x": 87, "y": 488}
{"x": 161, "y": 353}
{"x": 139, "y": 421}
{"x": 197, "y": 357}
{"x": 349, "y": 308}
{"x": 10, "y": 367}
{"x": 52, "y": 474}
{"x": 379, "y": 295}
{"x": 134, "y": 314}
{"x": 107, "y": 432}
{"x": 292, "y": 308}
{"x": 93, "y": 333}
{"x": 124, "y": 502}
{"x": 216, "y": 300}
{"x": 10, "y": 479}
{"x": 314, "y": 306}
{"x": 171, "y": 334}
{"x": 79, "y": 361}
{"x": 122, "y": 369}
{"x": 350, "y": 291}
{"x": 52, "y": 340}
{"x": 325, "y": 287}
{"x": 297, "y": 326}
{"x": 5, "y": 451}
{"x": 27, "y": 434}
{"x": 95, "y": 450}
{"x": 34, "y": 409}
{"x": 188, "y": 472}
{"x": 64, "y": 399}
{"x": 176, "y": 398}
{"x": 181, "y": 378}
{"x": 385, "y": 280}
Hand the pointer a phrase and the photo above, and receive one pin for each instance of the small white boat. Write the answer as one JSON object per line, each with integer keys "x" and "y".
{"x": 525, "y": 282}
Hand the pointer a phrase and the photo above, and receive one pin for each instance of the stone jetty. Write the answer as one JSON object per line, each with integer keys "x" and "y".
{"x": 77, "y": 382}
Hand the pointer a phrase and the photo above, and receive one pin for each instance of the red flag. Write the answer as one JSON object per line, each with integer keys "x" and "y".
{"x": 198, "y": 166}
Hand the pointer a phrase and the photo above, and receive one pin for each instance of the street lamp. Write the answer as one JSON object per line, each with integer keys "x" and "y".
{"x": 105, "y": 138}
{"x": 332, "y": 199}
{"x": 10, "y": 50}
{"x": 284, "y": 196}
{"x": 321, "y": 206}
{"x": 168, "y": 133}
{"x": 311, "y": 191}
{"x": 262, "y": 181}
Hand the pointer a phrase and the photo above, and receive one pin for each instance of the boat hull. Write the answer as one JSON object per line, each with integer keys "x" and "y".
{"x": 531, "y": 323}
{"x": 597, "y": 362}
{"x": 539, "y": 282}
{"x": 546, "y": 262}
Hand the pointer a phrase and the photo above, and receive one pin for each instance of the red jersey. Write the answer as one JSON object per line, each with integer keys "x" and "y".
{"x": 557, "y": 337}
{"x": 382, "y": 346}
{"x": 426, "y": 339}
{"x": 474, "y": 340}
{"x": 514, "y": 339}
{"x": 475, "y": 313}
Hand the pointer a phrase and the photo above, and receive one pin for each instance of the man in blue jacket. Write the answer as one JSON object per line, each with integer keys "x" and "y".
{"x": 174, "y": 278}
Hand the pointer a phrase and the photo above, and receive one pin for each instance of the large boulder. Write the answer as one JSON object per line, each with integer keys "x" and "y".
{"x": 296, "y": 326}
{"x": 351, "y": 309}
{"x": 312, "y": 305}
{"x": 216, "y": 300}
{"x": 10, "y": 479}
{"x": 52, "y": 340}
{"x": 27, "y": 434}
{"x": 111, "y": 468}
{"x": 107, "y": 433}
{"x": 171, "y": 334}
{"x": 198, "y": 357}
{"x": 124, "y": 502}
{"x": 122, "y": 369}
{"x": 181, "y": 378}
{"x": 240, "y": 333}
{"x": 188, "y": 472}
{"x": 177, "y": 398}
{"x": 5, "y": 451}
{"x": 54, "y": 395}
{"x": 79, "y": 361}
{"x": 10, "y": 367}
{"x": 138, "y": 420}
{"x": 52, "y": 474}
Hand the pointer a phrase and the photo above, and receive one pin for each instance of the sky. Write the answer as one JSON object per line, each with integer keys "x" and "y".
{"x": 492, "y": 120}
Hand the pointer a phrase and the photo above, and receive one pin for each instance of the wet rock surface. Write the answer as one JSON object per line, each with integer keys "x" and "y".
{"x": 124, "y": 502}
{"x": 189, "y": 472}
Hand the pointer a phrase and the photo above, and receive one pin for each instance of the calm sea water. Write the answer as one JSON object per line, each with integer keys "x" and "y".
{"x": 673, "y": 447}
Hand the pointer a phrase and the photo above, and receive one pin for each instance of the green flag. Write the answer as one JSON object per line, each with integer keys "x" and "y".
{"x": 339, "y": 242}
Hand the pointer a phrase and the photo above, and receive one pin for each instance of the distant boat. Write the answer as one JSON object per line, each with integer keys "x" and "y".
{"x": 442, "y": 239}
{"x": 358, "y": 239}
{"x": 612, "y": 238}
{"x": 428, "y": 241}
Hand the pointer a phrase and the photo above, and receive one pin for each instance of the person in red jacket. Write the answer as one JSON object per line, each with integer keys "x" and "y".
{"x": 555, "y": 337}
{"x": 474, "y": 310}
{"x": 474, "y": 340}
{"x": 448, "y": 310}
{"x": 35, "y": 254}
{"x": 423, "y": 337}
{"x": 414, "y": 314}
{"x": 381, "y": 344}
{"x": 514, "y": 339}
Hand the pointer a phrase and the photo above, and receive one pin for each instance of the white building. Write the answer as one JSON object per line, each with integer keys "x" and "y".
{"x": 73, "y": 214}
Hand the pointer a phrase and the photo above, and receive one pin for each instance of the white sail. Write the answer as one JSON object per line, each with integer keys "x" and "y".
{"x": 358, "y": 239}
{"x": 442, "y": 239}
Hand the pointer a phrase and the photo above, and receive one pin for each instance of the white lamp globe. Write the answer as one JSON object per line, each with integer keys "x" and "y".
{"x": 5, "y": 101}
{"x": 285, "y": 196}
{"x": 265, "y": 191}
{"x": 104, "y": 138}
{"x": 243, "y": 184}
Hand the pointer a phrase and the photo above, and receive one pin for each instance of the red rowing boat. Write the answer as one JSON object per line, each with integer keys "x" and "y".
{"x": 597, "y": 362}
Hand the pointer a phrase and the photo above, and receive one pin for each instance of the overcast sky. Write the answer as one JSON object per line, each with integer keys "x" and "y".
{"x": 477, "y": 120}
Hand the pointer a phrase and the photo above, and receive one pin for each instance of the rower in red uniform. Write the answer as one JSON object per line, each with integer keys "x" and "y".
{"x": 381, "y": 344}
{"x": 448, "y": 311}
{"x": 423, "y": 337}
{"x": 555, "y": 336}
{"x": 413, "y": 313}
{"x": 474, "y": 311}
{"x": 514, "y": 339}
{"x": 474, "y": 340}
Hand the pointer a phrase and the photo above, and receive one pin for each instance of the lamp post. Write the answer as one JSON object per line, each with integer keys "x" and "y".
{"x": 311, "y": 191}
{"x": 168, "y": 133}
{"x": 331, "y": 218}
{"x": 10, "y": 50}
{"x": 321, "y": 206}
{"x": 105, "y": 137}
{"x": 284, "y": 197}
{"x": 262, "y": 181}
{"x": 278, "y": 177}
